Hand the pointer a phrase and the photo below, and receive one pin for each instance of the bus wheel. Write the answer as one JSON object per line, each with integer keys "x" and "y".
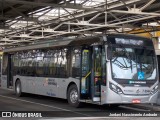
{"x": 18, "y": 89}
{"x": 73, "y": 96}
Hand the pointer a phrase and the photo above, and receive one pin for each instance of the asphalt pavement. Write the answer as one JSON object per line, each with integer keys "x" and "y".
{"x": 46, "y": 107}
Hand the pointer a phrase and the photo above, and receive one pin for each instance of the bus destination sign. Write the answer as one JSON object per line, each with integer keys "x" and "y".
{"x": 129, "y": 41}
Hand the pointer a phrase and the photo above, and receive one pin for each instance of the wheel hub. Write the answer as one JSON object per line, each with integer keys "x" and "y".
{"x": 73, "y": 96}
{"x": 18, "y": 89}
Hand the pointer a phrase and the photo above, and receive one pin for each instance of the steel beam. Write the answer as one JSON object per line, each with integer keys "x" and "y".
{"x": 33, "y": 37}
{"x": 54, "y": 5}
{"x": 116, "y": 18}
{"x": 86, "y": 14}
{"x": 17, "y": 11}
{"x": 94, "y": 17}
{"x": 93, "y": 26}
{"x": 134, "y": 12}
{"x": 124, "y": 4}
{"x": 149, "y": 3}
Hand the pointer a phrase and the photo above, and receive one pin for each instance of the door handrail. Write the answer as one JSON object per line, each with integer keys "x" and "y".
{"x": 87, "y": 75}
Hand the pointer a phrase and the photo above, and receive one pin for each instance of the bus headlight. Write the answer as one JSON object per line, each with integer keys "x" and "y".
{"x": 154, "y": 90}
{"x": 115, "y": 88}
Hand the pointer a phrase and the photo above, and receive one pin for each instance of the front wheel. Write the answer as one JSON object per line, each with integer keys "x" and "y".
{"x": 18, "y": 89}
{"x": 73, "y": 96}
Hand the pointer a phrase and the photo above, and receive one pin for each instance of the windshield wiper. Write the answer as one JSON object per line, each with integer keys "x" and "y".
{"x": 128, "y": 57}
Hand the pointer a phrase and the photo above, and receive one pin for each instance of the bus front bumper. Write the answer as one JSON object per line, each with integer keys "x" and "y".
{"x": 115, "y": 98}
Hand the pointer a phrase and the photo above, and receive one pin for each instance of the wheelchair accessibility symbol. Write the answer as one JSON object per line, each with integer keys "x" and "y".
{"x": 140, "y": 75}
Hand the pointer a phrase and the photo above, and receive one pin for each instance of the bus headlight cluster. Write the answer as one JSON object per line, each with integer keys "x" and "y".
{"x": 154, "y": 90}
{"x": 115, "y": 88}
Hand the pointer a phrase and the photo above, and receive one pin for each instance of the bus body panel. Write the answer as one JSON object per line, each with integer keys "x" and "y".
{"x": 54, "y": 87}
{"x": 4, "y": 81}
{"x": 103, "y": 94}
{"x": 114, "y": 98}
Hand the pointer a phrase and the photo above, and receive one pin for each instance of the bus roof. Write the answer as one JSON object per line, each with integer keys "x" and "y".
{"x": 68, "y": 42}
{"x": 55, "y": 43}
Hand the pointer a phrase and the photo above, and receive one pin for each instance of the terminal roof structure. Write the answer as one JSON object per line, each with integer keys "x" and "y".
{"x": 24, "y": 22}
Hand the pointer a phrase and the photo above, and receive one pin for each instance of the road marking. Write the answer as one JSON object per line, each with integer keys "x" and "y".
{"x": 132, "y": 108}
{"x": 45, "y": 105}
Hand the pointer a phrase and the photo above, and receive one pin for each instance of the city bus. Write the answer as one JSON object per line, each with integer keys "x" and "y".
{"x": 105, "y": 69}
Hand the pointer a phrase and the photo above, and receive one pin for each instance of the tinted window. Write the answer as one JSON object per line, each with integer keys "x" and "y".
{"x": 42, "y": 63}
{"x": 76, "y": 60}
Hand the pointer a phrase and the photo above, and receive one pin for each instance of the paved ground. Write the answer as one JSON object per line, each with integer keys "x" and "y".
{"x": 56, "y": 108}
{"x": 158, "y": 100}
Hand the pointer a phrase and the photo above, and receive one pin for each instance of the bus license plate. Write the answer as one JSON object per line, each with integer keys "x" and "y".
{"x": 136, "y": 101}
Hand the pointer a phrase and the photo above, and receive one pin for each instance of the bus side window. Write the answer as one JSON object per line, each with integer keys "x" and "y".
{"x": 51, "y": 62}
{"x": 63, "y": 70}
{"x": 60, "y": 61}
{"x": 76, "y": 60}
{"x": 5, "y": 64}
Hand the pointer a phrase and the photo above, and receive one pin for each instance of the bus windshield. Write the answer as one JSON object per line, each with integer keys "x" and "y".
{"x": 133, "y": 63}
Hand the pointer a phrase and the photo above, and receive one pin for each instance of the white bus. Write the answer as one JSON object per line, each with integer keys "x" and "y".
{"x": 106, "y": 69}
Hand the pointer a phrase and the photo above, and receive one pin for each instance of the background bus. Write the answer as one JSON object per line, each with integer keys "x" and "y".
{"x": 107, "y": 69}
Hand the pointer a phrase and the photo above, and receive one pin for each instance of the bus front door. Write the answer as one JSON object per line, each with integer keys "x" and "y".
{"x": 96, "y": 76}
{"x": 91, "y": 73}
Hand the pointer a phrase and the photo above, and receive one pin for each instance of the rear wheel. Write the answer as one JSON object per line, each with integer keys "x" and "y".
{"x": 18, "y": 89}
{"x": 73, "y": 96}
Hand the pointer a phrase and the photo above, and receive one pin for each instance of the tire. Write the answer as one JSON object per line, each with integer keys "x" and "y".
{"x": 18, "y": 89}
{"x": 73, "y": 96}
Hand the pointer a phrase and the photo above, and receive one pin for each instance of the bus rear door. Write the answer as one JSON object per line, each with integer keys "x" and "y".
{"x": 85, "y": 80}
